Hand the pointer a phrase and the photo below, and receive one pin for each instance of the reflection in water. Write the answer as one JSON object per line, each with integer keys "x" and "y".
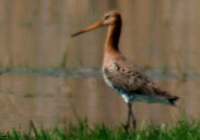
{"x": 47, "y": 100}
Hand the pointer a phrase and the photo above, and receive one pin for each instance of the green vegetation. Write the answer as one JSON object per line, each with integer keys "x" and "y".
{"x": 182, "y": 130}
{"x": 64, "y": 59}
{"x": 29, "y": 95}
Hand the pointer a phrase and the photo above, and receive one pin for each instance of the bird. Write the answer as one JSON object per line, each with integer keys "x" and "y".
{"x": 128, "y": 81}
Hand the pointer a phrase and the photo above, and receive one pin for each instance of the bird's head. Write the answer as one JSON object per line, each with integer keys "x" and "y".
{"x": 110, "y": 18}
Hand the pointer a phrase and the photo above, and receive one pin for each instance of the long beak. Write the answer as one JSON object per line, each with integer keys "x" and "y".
{"x": 94, "y": 26}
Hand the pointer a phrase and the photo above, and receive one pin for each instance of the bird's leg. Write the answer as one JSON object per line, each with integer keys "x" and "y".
{"x": 129, "y": 117}
{"x": 132, "y": 116}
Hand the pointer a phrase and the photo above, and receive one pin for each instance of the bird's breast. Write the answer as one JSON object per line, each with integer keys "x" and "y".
{"x": 106, "y": 79}
{"x": 120, "y": 91}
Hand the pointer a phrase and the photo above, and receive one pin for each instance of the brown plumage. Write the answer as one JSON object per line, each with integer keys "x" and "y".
{"x": 135, "y": 83}
{"x": 132, "y": 84}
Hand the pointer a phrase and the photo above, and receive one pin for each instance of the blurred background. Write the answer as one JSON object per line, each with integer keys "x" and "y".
{"x": 49, "y": 78}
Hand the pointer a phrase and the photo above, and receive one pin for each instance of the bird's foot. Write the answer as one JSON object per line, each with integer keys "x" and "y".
{"x": 126, "y": 127}
{"x": 134, "y": 124}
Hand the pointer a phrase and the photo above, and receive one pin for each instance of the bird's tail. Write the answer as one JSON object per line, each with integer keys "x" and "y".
{"x": 173, "y": 100}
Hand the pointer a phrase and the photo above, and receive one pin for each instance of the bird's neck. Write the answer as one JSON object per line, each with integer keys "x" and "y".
{"x": 112, "y": 40}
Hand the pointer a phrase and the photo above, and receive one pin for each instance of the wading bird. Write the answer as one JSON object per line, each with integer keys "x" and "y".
{"x": 129, "y": 82}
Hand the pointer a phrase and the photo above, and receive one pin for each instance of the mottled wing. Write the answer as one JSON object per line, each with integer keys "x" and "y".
{"x": 133, "y": 81}
{"x": 124, "y": 78}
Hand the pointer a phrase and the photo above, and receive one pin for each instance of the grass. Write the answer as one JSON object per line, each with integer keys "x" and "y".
{"x": 182, "y": 130}
{"x": 29, "y": 95}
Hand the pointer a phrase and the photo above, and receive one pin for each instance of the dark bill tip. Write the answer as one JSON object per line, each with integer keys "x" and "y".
{"x": 78, "y": 33}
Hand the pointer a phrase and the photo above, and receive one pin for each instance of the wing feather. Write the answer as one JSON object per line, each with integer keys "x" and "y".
{"x": 133, "y": 81}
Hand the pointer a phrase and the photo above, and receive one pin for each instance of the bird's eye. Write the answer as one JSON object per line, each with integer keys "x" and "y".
{"x": 106, "y": 17}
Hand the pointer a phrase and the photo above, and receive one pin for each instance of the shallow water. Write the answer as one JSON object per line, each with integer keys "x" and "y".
{"x": 47, "y": 100}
